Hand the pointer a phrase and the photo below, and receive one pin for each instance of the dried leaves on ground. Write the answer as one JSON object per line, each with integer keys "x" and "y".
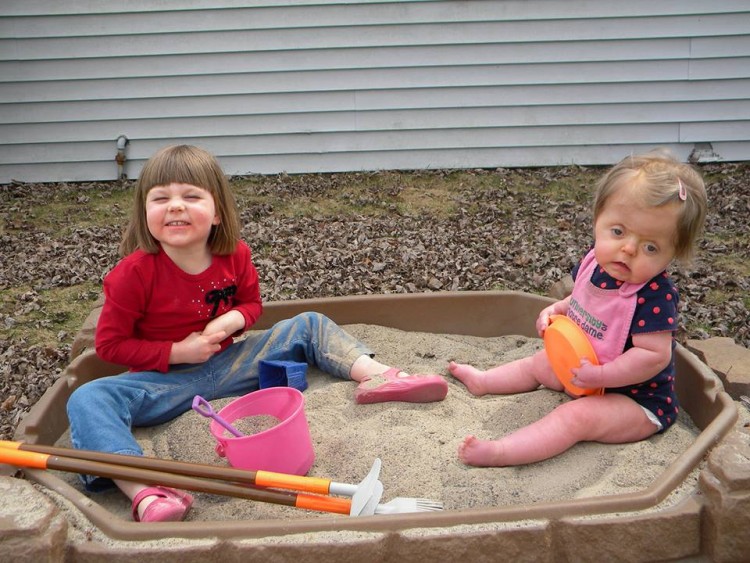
{"x": 345, "y": 234}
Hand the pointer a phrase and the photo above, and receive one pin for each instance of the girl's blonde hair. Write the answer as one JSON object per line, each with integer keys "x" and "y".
{"x": 183, "y": 164}
{"x": 658, "y": 178}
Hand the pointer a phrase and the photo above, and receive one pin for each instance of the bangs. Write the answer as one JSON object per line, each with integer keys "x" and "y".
{"x": 181, "y": 165}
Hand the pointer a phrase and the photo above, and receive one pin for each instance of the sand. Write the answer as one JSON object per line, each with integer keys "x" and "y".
{"x": 417, "y": 443}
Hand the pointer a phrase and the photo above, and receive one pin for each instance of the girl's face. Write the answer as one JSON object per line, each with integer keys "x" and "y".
{"x": 180, "y": 216}
{"x": 633, "y": 242}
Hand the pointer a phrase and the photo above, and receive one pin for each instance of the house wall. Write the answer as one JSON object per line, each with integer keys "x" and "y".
{"x": 323, "y": 86}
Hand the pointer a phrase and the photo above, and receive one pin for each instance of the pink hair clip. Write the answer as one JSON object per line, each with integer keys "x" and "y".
{"x": 683, "y": 191}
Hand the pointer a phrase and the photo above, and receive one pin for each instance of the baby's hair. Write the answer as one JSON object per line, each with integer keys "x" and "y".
{"x": 660, "y": 179}
{"x": 183, "y": 164}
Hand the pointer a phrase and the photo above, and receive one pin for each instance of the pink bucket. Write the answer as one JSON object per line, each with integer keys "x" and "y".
{"x": 284, "y": 448}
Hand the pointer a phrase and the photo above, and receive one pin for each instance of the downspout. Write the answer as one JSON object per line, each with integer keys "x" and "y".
{"x": 122, "y": 142}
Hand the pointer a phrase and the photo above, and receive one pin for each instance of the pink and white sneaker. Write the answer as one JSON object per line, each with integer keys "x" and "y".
{"x": 388, "y": 386}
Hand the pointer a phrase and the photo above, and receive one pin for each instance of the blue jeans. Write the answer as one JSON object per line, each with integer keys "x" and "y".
{"x": 103, "y": 411}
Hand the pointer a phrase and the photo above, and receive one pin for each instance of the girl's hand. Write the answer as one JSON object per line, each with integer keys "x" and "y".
{"x": 196, "y": 348}
{"x": 542, "y": 321}
{"x": 651, "y": 353}
{"x": 588, "y": 375}
{"x": 557, "y": 308}
{"x": 229, "y": 323}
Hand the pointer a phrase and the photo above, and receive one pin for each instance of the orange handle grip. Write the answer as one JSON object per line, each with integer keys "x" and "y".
{"x": 9, "y": 444}
{"x": 21, "y": 458}
{"x": 292, "y": 482}
{"x": 324, "y": 504}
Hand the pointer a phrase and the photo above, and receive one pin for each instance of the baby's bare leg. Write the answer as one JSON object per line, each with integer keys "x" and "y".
{"x": 609, "y": 418}
{"x": 518, "y": 376}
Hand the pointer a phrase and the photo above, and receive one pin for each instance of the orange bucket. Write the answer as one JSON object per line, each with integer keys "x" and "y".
{"x": 566, "y": 344}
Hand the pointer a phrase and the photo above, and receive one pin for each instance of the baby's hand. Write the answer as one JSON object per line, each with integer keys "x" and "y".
{"x": 542, "y": 321}
{"x": 588, "y": 376}
{"x": 557, "y": 308}
{"x": 196, "y": 348}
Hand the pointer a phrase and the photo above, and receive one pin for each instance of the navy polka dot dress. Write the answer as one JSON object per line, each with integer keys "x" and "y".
{"x": 656, "y": 311}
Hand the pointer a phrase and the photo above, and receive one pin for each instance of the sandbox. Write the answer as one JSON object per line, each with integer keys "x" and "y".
{"x": 634, "y": 526}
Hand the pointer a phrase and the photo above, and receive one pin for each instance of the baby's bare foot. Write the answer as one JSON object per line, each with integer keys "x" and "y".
{"x": 470, "y": 376}
{"x": 480, "y": 453}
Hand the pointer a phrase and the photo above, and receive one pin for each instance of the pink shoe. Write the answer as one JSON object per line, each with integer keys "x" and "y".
{"x": 409, "y": 389}
{"x": 171, "y": 506}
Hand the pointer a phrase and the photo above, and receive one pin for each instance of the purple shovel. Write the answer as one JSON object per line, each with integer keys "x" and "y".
{"x": 203, "y": 407}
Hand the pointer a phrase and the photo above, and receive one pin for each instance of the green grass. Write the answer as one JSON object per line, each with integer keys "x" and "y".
{"x": 66, "y": 209}
{"x": 47, "y": 317}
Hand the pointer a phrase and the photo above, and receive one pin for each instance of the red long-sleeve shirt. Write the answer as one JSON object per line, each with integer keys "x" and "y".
{"x": 151, "y": 303}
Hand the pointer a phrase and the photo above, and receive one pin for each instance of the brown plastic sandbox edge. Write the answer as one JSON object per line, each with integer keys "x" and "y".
{"x": 487, "y": 313}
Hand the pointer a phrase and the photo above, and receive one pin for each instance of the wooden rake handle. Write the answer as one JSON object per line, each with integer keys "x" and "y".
{"x": 19, "y": 457}
{"x": 301, "y": 483}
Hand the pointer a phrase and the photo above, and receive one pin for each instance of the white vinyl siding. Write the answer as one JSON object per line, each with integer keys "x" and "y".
{"x": 326, "y": 86}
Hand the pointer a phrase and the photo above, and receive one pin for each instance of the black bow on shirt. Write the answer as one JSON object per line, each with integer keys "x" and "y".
{"x": 218, "y": 295}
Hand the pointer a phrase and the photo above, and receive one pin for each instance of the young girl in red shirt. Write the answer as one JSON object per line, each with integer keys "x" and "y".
{"x": 184, "y": 290}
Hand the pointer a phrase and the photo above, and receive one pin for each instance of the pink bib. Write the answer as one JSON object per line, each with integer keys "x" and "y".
{"x": 605, "y": 315}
